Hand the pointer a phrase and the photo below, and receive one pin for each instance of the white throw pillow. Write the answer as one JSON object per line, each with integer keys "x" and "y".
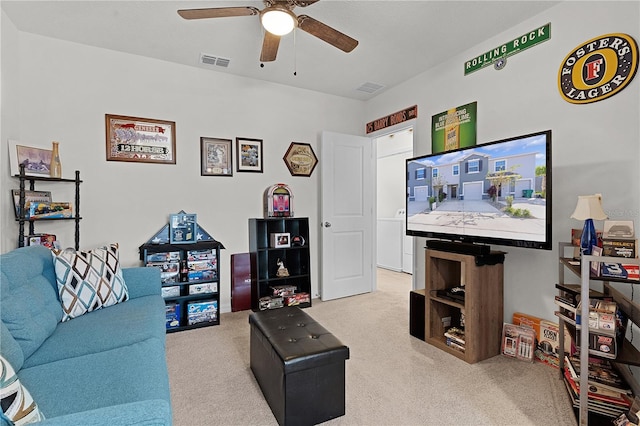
{"x": 88, "y": 280}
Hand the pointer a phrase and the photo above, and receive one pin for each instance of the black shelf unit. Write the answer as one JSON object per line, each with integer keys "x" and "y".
{"x": 206, "y": 253}
{"x": 264, "y": 258}
{"x": 23, "y": 219}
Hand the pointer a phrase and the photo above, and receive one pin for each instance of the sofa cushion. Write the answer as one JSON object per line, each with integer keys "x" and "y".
{"x": 108, "y": 328}
{"x": 9, "y": 348}
{"x": 136, "y": 372}
{"x": 17, "y": 404}
{"x": 30, "y": 307}
{"x": 151, "y": 412}
{"x": 88, "y": 280}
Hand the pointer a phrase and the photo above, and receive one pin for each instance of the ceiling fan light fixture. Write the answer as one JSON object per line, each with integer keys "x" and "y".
{"x": 278, "y": 20}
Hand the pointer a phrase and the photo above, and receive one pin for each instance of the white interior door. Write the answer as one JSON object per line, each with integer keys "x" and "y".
{"x": 347, "y": 216}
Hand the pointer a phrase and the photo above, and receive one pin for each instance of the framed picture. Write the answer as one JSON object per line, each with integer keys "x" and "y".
{"x": 300, "y": 159}
{"x": 216, "y": 157}
{"x": 183, "y": 228}
{"x": 36, "y": 160}
{"x": 140, "y": 140}
{"x": 249, "y": 155}
{"x": 29, "y": 197}
{"x": 280, "y": 240}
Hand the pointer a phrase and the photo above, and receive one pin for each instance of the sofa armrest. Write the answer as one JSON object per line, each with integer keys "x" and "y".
{"x": 154, "y": 412}
{"x": 142, "y": 281}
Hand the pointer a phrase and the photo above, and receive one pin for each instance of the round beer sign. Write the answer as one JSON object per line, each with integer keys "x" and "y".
{"x": 598, "y": 69}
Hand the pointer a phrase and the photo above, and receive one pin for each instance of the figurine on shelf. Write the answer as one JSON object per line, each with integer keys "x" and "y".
{"x": 282, "y": 271}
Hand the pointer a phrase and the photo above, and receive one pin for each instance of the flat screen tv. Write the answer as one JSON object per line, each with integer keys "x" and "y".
{"x": 494, "y": 193}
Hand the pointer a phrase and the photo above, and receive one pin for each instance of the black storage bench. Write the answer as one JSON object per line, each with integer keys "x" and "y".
{"x": 299, "y": 366}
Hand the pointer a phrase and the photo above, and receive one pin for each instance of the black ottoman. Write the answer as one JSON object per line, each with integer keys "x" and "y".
{"x": 299, "y": 366}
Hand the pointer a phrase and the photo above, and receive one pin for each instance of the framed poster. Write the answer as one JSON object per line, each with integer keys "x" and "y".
{"x": 140, "y": 140}
{"x": 36, "y": 160}
{"x": 454, "y": 128}
{"x": 216, "y": 157}
{"x": 300, "y": 159}
{"x": 183, "y": 228}
{"x": 249, "y": 155}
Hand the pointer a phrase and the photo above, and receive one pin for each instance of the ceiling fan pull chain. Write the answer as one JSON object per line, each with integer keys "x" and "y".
{"x": 295, "y": 55}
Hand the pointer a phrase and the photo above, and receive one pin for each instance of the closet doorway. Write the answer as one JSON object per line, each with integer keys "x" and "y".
{"x": 394, "y": 248}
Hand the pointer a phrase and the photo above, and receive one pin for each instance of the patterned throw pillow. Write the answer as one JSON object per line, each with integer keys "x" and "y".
{"x": 17, "y": 404}
{"x": 88, "y": 280}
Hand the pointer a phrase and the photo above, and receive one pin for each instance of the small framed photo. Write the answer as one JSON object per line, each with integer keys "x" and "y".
{"x": 36, "y": 160}
{"x": 216, "y": 157}
{"x": 140, "y": 140}
{"x": 249, "y": 155}
{"x": 183, "y": 228}
{"x": 280, "y": 240}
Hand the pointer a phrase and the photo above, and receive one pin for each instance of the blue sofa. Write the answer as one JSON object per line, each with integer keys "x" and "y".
{"x": 106, "y": 367}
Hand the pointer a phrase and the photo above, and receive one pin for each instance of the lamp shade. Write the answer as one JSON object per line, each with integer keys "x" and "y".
{"x": 589, "y": 207}
{"x": 278, "y": 20}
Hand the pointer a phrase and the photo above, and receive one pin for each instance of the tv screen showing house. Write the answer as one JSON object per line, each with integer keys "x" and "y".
{"x": 495, "y": 193}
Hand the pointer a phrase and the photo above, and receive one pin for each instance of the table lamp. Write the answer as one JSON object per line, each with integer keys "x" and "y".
{"x": 589, "y": 207}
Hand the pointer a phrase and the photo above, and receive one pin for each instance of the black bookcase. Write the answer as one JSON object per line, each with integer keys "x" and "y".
{"x": 190, "y": 275}
{"x": 264, "y": 258}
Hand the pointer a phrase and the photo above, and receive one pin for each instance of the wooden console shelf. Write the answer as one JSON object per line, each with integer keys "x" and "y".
{"x": 482, "y": 308}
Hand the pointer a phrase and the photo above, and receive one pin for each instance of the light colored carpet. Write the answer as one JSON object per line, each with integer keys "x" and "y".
{"x": 392, "y": 378}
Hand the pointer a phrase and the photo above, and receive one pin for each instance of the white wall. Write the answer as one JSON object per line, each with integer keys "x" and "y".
{"x": 55, "y": 90}
{"x": 62, "y": 91}
{"x": 595, "y": 149}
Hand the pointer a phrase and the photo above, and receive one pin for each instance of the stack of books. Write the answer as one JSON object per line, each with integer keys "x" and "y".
{"x": 455, "y": 338}
{"x": 608, "y": 394}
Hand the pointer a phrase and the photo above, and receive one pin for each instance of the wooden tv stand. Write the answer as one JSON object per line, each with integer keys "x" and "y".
{"x": 482, "y": 306}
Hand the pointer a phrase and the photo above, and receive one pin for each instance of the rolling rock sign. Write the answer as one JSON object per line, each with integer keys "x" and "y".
{"x": 598, "y": 69}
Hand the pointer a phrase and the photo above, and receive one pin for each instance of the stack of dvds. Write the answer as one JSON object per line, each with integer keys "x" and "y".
{"x": 608, "y": 394}
{"x": 202, "y": 265}
{"x": 455, "y": 338}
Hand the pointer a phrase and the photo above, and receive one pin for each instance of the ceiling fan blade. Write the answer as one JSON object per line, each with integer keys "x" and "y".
{"x": 270, "y": 46}
{"x": 304, "y": 3}
{"x": 326, "y": 33}
{"x": 218, "y": 12}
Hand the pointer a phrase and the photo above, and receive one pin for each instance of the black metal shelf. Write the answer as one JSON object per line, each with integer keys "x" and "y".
{"x": 23, "y": 219}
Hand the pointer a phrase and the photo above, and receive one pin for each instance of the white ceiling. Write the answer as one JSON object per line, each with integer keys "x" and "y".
{"x": 398, "y": 39}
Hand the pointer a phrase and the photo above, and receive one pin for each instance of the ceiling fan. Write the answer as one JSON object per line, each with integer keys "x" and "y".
{"x": 278, "y": 19}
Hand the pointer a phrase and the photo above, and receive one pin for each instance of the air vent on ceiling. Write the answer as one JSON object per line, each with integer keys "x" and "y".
{"x": 207, "y": 59}
{"x": 370, "y": 87}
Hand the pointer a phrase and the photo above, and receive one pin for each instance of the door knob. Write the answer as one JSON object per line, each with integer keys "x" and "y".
{"x": 327, "y": 224}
